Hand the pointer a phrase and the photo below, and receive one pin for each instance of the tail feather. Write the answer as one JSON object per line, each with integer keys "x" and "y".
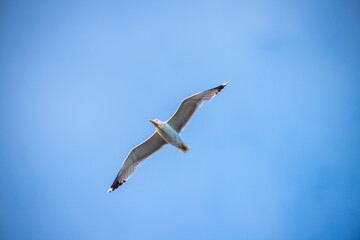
{"x": 184, "y": 147}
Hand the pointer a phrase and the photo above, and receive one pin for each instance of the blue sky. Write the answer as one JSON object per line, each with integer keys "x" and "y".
{"x": 274, "y": 156}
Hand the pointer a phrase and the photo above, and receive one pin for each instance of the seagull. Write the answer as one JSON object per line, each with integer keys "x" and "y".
{"x": 165, "y": 132}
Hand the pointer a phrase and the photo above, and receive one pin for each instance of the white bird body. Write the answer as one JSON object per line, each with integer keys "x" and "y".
{"x": 169, "y": 134}
{"x": 166, "y": 132}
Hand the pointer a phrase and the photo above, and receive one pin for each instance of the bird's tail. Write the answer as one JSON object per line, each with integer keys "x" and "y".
{"x": 184, "y": 147}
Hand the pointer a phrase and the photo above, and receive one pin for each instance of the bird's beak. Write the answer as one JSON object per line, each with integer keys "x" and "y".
{"x": 152, "y": 121}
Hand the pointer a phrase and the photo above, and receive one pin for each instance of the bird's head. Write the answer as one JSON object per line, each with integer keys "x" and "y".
{"x": 157, "y": 123}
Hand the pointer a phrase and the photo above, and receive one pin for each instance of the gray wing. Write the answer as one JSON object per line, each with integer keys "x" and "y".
{"x": 189, "y": 106}
{"x": 137, "y": 156}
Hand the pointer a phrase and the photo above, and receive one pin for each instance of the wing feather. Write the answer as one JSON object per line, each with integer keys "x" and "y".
{"x": 189, "y": 106}
{"x": 136, "y": 157}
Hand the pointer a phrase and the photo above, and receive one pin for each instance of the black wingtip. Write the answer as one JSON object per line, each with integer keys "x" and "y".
{"x": 221, "y": 87}
{"x": 115, "y": 185}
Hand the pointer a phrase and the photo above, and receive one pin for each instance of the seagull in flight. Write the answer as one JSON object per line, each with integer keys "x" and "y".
{"x": 166, "y": 132}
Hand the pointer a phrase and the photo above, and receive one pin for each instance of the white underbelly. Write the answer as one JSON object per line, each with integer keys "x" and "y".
{"x": 169, "y": 135}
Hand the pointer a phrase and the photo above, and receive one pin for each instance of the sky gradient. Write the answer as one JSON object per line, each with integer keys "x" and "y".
{"x": 275, "y": 155}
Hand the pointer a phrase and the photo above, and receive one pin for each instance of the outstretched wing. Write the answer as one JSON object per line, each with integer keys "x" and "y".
{"x": 137, "y": 156}
{"x": 189, "y": 106}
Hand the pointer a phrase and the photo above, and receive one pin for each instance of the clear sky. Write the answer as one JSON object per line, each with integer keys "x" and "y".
{"x": 274, "y": 156}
